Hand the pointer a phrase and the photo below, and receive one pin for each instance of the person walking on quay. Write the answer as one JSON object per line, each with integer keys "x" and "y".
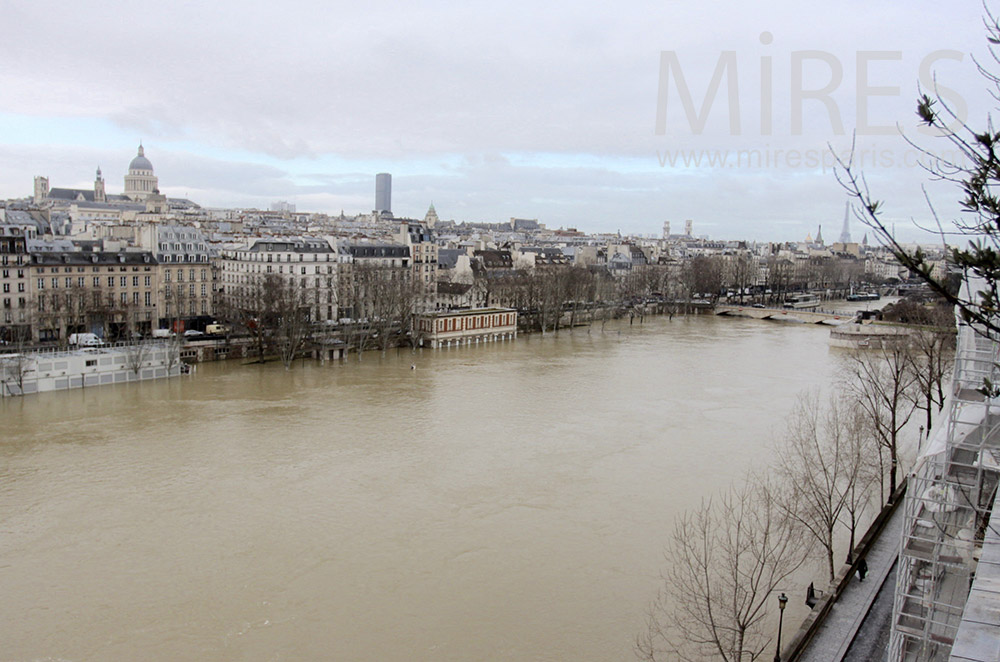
{"x": 862, "y": 570}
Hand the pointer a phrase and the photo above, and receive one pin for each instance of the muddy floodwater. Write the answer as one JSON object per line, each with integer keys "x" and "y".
{"x": 506, "y": 501}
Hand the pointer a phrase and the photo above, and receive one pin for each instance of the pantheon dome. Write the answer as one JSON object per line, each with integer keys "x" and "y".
{"x": 140, "y": 182}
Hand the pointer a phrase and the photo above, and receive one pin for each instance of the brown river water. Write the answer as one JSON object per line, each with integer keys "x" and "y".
{"x": 505, "y": 501}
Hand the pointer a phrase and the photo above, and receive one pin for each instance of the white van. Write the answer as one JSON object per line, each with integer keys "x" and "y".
{"x": 85, "y": 340}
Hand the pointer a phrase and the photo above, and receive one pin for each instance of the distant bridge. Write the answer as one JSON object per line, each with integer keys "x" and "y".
{"x": 803, "y": 315}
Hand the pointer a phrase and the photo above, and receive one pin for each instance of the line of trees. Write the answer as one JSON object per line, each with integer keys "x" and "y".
{"x": 58, "y": 313}
{"x": 550, "y": 296}
{"x": 274, "y": 313}
{"x": 726, "y": 559}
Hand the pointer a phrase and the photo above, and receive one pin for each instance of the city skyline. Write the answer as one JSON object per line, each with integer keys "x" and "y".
{"x": 487, "y": 115}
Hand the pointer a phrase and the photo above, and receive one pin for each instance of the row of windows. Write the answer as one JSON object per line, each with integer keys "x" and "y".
{"x": 180, "y": 290}
{"x": 317, "y": 283}
{"x": 98, "y": 299}
{"x": 180, "y": 275}
{"x": 5, "y": 260}
{"x": 80, "y": 270}
{"x": 181, "y": 247}
{"x": 20, "y": 273}
{"x": 475, "y": 322}
{"x": 147, "y": 281}
{"x": 246, "y": 256}
{"x": 182, "y": 258}
{"x": 259, "y": 268}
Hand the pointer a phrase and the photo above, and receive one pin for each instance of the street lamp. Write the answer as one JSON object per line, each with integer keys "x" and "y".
{"x": 782, "y": 601}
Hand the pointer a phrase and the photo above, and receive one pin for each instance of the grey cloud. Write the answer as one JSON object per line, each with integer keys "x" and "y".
{"x": 435, "y": 81}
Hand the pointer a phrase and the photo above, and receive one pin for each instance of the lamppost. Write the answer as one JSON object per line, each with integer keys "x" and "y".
{"x": 782, "y": 601}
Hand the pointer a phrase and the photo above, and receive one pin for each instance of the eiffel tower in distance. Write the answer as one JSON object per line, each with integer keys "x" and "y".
{"x": 845, "y": 233}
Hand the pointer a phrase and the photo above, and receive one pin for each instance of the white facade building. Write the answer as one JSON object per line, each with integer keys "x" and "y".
{"x": 311, "y": 264}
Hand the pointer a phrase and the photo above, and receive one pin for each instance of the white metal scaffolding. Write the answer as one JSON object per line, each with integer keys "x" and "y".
{"x": 947, "y": 509}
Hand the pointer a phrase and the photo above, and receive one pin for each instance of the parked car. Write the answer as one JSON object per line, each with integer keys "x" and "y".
{"x": 162, "y": 333}
{"x": 192, "y": 333}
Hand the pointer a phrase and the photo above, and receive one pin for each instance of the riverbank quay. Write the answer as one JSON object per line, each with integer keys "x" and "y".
{"x": 830, "y": 628}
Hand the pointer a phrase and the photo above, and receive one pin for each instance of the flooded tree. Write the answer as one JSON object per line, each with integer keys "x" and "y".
{"x": 287, "y": 311}
{"x": 16, "y": 365}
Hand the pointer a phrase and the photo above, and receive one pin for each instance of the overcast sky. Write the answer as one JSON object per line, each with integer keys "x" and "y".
{"x": 489, "y": 110}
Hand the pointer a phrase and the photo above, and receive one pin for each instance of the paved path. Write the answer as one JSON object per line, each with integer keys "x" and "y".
{"x": 835, "y": 635}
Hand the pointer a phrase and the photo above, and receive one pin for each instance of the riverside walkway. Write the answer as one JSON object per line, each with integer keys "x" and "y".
{"x": 834, "y": 635}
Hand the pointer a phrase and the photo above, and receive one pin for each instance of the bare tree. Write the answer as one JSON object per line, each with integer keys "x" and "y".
{"x": 930, "y": 362}
{"x": 819, "y": 463}
{"x": 861, "y": 460}
{"x": 725, "y": 560}
{"x": 779, "y": 277}
{"x": 703, "y": 275}
{"x": 136, "y": 353}
{"x": 288, "y": 312}
{"x": 881, "y": 383}
{"x": 741, "y": 273}
{"x": 16, "y": 365}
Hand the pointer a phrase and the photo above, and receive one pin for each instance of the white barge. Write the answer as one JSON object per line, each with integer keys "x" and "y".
{"x": 57, "y": 370}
